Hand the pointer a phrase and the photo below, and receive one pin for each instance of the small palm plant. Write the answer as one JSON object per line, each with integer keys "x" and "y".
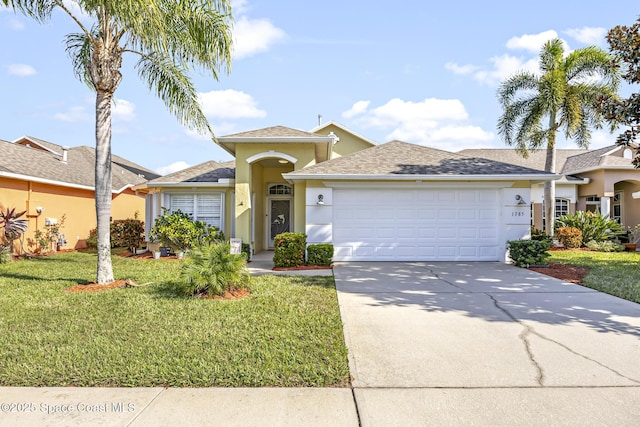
{"x": 13, "y": 228}
{"x": 211, "y": 269}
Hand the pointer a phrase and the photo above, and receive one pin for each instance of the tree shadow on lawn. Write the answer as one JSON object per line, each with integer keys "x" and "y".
{"x": 26, "y": 277}
{"x": 503, "y": 293}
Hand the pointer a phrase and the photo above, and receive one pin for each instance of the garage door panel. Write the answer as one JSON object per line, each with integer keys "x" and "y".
{"x": 415, "y": 225}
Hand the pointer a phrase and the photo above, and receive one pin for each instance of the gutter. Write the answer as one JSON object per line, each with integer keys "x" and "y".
{"x": 58, "y": 183}
{"x": 386, "y": 177}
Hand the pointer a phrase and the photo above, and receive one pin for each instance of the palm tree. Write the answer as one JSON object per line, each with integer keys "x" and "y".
{"x": 170, "y": 38}
{"x": 563, "y": 96}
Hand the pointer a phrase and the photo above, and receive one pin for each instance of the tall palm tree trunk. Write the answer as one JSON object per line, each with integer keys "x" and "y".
{"x": 550, "y": 186}
{"x": 103, "y": 185}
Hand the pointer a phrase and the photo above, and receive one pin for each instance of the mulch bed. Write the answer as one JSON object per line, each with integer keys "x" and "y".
{"x": 95, "y": 287}
{"x": 304, "y": 267}
{"x": 568, "y": 273}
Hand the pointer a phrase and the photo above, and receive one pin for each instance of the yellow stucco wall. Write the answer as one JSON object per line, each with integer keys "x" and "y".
{"x": 78, "y": 206}
{"x": 348, "y": 143}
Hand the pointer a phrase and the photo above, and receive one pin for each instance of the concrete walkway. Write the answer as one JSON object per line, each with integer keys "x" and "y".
{"x": 486, "y": 344}
{"x": 429, "y": 344}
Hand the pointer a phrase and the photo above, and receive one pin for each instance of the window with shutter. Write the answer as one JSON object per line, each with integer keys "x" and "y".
{"x": 201, "y": 207}
{"x": 183, "y": 202}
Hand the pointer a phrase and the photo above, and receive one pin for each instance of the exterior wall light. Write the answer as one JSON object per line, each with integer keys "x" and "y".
{"x": 39, "y": 210}
{"x": 520, "y": 200}
{"x": 320, "y": 201}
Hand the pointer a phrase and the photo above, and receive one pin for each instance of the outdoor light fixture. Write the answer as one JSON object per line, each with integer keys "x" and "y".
{"x": 320, "y": 201}
{"x": 283, "y": 161}
{"x": 520, "y": 200}
{"x": 39, "y": 210}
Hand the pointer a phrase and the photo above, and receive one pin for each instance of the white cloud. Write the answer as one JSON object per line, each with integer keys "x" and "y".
{"x": 505, "y": 66}
{"x": 440, "y": 123}
{"x": 123, "y": 110}
{"x": 357, "y": 108}
{"x": 21, "y": 70}
{"x": 229, "y": 104}
{"x": 588, "y": 35}
{"x": 531, "y": 42}
{"x": 460, "y": 69}
{"x": 252, "y": 36}
{"x": 239, "y": 7}
{"x": 74, "y": 114}
{"x": 173, "y": 167}
{"x": 16, "y": 25}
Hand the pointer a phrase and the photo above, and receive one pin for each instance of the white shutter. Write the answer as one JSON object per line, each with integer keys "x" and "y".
{"x": 183, "y": 202}
{"x": 209, "y": 209}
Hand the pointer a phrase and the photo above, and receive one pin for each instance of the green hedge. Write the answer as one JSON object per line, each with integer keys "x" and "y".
{"x": 320, "y": 254}
{"x": 525, "y": 253}
{"x": 125, "y": 233}
{"x": 289, "y": 249}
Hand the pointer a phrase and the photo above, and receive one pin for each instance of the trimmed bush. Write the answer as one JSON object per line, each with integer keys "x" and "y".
{"x": 525, "y": 253}
{"x": 125, "y": 233}
{"x": 246, "y": 251}
{"x": 606, "y": 246}
{"x": 211, "y": 269}
{"x": 569, "y": 237}
{"x": 320, "y": 254}
{"x": 289, "y": 249}
{"x": 541, "y": 235}
{"x": 593, "y": 226}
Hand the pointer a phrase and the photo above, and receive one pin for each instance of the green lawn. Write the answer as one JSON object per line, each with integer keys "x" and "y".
{"x": 616, "y": 273}
{"x": 288, "y": 332}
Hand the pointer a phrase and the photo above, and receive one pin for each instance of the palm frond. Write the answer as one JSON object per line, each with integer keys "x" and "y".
{"x": 551, "y": 55}
{"x": 174, "y": 87}
{"x": 39, "y": 10}
{"x": 79, "y": 51}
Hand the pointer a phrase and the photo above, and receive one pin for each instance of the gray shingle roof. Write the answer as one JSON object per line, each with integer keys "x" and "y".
{"x": 204, "y": 172}
{"x": 402, "y": 158}
{"x": 594, "y": 159}
{"x": 273, "y": 132}
{"x": 78, "y": 170}
{"x": 536, "y": 159}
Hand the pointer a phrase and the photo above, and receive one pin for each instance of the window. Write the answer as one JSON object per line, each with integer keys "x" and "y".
{"x": 616, "y": 207}
{"x": 592, "y": 204}
{"x": 562, "y": 208}
{"x": 279, "y": 189}
{"x": 201, "y": 207}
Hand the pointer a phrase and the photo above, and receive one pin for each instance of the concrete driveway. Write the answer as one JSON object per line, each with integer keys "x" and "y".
{"x": 486, "y": 344}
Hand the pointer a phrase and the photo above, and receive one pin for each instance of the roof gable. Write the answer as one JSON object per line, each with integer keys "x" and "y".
{"x": 272, "y": 132}
{"x": 210, "y": 171}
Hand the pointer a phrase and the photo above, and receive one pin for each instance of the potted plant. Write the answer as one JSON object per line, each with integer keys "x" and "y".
{"x": 634, "y": 238}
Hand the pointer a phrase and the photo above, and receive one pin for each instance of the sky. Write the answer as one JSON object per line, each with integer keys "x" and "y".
{"x": 413, "y": 70}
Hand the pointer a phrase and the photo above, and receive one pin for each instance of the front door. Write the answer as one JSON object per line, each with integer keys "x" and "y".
{"x": 279, "y": 218}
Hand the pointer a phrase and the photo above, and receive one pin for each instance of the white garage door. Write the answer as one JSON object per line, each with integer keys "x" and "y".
{"x": 416, "y": 225}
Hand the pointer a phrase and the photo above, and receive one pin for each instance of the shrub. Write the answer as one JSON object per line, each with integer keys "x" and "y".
{"x": 541, "y": 235}
{"x": 246, "y": 251}
{"x": 524, "y": 253}
{"x": 606, "y": 246}
{"x": 211, "y": 269}
{"x": 92, "y": 240}
{"x": 12, "y": 229}
{"x": 5, "y": 254}
{"x": 289, "y": 249}
{"x": 321, "y": 254}
{"x": 593, "y": 226}
{"x": 569, "y": 237}
{"x": 178, "y": 231}
{"x": 127, "y": 233}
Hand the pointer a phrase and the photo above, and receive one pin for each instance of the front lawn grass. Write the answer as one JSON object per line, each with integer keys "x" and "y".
{"x": 615, "y": 273}
{"x": 287, "y": 333}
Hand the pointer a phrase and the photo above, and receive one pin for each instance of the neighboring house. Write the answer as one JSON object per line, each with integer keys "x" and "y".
{"x": 50, "y": 181}
{"x": 395, "y": 201}
{"x": 602, "y": 180}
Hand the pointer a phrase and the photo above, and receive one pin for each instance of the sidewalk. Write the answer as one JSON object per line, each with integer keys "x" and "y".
{"x": 262, "y": 263}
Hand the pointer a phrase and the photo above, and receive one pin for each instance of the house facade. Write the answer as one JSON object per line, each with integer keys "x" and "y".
{"x": 51, "y": 182}
{"x": 394, "y": 201}
{"x": 602, "y": 180}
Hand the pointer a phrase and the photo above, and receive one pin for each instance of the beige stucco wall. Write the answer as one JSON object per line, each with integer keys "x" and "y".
{"x": 77, "y": 205}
